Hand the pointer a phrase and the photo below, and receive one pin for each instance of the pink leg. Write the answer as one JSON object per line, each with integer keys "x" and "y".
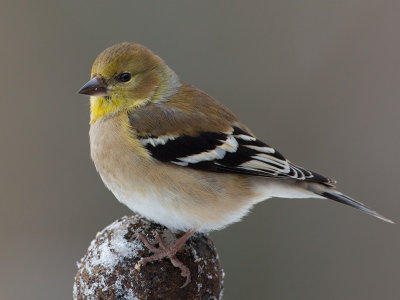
{"x": 164, "y": 251}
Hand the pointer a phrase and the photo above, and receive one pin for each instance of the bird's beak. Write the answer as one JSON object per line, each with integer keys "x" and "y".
{"x": 94, "y": 87}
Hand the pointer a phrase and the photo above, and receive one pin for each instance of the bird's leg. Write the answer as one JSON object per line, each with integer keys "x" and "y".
{"x": 163, "y": 251}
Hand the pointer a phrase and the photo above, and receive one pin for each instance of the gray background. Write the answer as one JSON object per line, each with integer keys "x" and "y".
{"x": 318, "y": 80}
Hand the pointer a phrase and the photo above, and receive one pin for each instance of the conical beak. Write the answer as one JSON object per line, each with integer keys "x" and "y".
{"x": 94, "y": 87}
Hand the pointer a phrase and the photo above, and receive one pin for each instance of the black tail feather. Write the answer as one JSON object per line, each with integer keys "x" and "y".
{"x": 341, "y": 198}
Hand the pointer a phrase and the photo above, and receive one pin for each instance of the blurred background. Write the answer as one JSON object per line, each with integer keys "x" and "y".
{"x": 318, "y": 80}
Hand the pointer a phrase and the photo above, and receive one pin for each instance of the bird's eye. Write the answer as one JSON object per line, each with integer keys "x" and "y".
{"x": 124, "y": 77}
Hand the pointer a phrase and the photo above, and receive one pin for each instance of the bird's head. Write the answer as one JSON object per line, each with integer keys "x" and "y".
{"x": 127, "y": 76}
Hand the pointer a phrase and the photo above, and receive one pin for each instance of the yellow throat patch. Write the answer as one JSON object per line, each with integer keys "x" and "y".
{"x": 103, "y": 106}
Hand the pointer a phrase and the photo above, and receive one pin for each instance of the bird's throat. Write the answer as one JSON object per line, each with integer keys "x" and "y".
{"x": 103, "y": 106}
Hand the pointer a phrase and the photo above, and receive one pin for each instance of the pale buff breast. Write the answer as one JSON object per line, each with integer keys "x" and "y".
{"x": 175, "y": 196}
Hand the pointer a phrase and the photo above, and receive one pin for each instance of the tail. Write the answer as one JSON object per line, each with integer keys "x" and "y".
{"x": 332, "y": 194}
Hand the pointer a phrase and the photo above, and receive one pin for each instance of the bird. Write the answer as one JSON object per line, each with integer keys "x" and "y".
{"x": 178, "y": 157}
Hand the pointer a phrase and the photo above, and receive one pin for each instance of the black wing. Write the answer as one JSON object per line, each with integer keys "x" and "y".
{"x": 230, "y": 152}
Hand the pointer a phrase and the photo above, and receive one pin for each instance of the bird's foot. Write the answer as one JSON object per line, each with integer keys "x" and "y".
{"x": 164, "y": 251}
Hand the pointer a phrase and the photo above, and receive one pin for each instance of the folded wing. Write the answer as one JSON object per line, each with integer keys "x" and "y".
{"x": 234, "y": 151}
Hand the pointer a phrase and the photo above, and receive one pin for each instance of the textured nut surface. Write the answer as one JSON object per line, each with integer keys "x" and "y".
{"x": 107, "y": 271}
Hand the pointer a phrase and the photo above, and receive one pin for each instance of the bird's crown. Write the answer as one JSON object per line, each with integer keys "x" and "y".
{"x": 122, "y": 57}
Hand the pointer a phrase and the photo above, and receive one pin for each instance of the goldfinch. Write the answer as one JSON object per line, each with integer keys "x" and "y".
{"x": 178, "y": 157}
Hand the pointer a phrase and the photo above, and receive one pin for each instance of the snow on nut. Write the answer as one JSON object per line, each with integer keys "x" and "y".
{"x": 107, "y": 271}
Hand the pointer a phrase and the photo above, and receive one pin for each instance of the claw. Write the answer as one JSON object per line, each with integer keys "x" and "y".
{"x": 163, "y": 251}
{"x": 185, "y": 272}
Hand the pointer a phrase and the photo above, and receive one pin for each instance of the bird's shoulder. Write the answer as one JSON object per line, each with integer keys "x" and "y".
{"x": 188, "y": 112}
